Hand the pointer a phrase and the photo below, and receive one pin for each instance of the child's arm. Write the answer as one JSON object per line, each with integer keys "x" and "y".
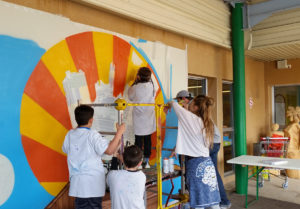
{"x": 173, "y": 154}
{"x": 179, "y": 110}
{"x": 114, "y": 144}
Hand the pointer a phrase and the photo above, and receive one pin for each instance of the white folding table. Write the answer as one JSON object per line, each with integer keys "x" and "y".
{"x": 260, "y": 163}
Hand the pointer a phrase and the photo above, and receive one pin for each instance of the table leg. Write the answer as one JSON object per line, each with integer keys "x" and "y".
{"x": 246, "y": 203}
{"x": 257, "y": 172}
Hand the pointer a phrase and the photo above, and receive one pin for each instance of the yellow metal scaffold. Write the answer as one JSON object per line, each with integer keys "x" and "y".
{"x": 120, "y": 105}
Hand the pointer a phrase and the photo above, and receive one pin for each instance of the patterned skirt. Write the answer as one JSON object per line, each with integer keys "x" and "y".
{"x": 202, "y": 182}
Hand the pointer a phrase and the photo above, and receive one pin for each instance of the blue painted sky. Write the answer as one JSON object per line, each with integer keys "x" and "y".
{"x": 18, "y": 59}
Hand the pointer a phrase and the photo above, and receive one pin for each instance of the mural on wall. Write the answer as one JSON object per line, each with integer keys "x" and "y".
{"x": 41, "y": 85}
{"x": 75, "y": 69}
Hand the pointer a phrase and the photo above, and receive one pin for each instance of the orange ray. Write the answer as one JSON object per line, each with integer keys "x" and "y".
{"x": 82, "y": 50}
{"x": 43, "y": 89}
{"x": 46, "y": 164}
{"x": 120, "y": 59}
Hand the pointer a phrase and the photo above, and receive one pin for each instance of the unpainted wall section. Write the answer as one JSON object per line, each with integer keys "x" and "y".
{"x": 255, "y": 102}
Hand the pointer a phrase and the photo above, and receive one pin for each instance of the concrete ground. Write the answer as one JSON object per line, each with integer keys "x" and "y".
{"x": 271, "y": 195}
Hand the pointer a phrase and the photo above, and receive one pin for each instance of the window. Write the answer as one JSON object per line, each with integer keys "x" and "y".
{"x": 284, "y": 97}
{"x": 197, "y": 85}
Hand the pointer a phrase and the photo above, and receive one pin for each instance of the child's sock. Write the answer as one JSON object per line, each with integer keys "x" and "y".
{"x": 147, "y": 165}
{"x": 146, "y": 162}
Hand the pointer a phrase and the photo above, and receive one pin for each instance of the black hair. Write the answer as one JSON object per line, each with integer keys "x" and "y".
{"x": 83, "y": 113}
{"x": 189, "y": 97}
{"x": 132, "y": 156}
{"x": 145, "y": 74}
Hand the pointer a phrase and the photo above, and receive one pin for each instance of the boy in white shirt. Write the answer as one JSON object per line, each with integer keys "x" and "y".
{"x": 84, "y": 148}
{"x": 127, "y": 187}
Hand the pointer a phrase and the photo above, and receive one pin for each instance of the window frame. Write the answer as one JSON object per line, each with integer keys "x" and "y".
{"x": 199, "y": 78}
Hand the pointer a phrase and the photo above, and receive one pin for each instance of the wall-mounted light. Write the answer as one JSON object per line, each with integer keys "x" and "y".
{"x": 282, "y": 64}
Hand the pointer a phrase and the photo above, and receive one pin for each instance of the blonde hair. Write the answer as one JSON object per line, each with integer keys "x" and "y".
{"x": 205, "y": 105}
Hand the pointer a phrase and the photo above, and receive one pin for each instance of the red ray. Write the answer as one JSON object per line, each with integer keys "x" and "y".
{"x": 82, "y": 50}
{"x": 46, "y": 164}
{"x": 43, "y": 89}
{"x": 120, "y": 59}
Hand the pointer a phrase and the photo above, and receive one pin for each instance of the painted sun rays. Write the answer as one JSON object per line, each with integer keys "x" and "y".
{"x": 44, "y": 111}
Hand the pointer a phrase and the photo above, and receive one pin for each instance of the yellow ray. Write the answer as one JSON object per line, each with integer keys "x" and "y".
{"x": 135, "y": 61}
{"x": 160, "y": 100}
{"x": 40, "y": 126}
{"x": 103, "y": 45}
{"x": 53, "y": 188}
{"x": 58, "y": 60}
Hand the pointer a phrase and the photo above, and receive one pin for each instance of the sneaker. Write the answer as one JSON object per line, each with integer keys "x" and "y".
{"x": 225, "y": 206}
{"x": 147, "y": 165}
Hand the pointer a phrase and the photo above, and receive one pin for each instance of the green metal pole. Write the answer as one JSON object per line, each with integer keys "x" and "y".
{"x": 241, "y": 173}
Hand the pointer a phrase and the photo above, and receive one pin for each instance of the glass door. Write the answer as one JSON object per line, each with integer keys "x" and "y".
{"x": 228, "y": 128}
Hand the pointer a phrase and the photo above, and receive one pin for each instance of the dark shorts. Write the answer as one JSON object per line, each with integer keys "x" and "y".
{"x": 88, "y": 203}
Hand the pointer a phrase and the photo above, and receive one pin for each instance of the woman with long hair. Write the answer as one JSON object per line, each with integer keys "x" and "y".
{"x": 195, "y": 137}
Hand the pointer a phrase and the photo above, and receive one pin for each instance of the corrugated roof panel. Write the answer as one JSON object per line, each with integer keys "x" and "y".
{"x": 208, "y": 20}
{"x": 277, "y": 37}
{"x": 280, "y": 18}
{"x": 279, "y": 52}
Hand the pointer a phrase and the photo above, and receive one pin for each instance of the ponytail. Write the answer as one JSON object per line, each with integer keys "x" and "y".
{"x": 205, "y": 105}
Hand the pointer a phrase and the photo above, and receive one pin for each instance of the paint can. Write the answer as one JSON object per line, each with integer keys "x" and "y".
{"x": 166, "y": 165}
{"x": 171, "y": 165}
